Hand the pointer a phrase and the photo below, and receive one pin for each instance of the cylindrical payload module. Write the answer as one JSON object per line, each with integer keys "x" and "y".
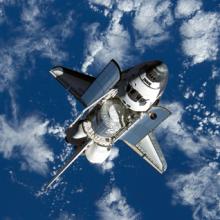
{"x": 96, "y": 153}
{"x": 109, "y": 119}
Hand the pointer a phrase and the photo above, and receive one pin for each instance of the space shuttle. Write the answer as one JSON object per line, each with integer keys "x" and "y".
{"x": 118, "y": 105}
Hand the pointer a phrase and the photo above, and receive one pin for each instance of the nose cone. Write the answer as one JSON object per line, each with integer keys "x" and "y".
{"x": 158, "y": 76}
{"x": 159, "y": 73}
{"x": 162, "y": 68}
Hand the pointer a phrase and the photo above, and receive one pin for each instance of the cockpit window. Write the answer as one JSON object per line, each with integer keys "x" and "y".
{"x": 132, "y": 93}
{"x": 135, "y": 95}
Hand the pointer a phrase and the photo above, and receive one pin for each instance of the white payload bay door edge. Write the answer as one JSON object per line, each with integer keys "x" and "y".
{"x": 144, "y": 125}
{"x": 148, "y": 148}
{"x": 140, "y": 138}
{"x": 105, "y": 81}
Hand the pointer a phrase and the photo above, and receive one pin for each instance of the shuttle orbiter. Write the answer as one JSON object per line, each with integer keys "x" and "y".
{"x": 118, "y": 105}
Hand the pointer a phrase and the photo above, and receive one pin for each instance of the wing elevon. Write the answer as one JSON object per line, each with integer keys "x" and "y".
{"x": 149, "y": 149}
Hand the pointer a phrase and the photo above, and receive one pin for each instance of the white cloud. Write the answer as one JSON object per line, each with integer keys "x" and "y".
{"x": 189, "y": 93}
{"x": 186, "y": 8}
{"x": 66, "y": 216}
{"x": 127, "y": 5}
{"x": 151, "y": 21}
{"x": 106, "y": 3}
{"x": 115, "y": 44}
{"x": 180, "y": 135}
{"x": 7, "y": 72}
{"x": 57, "y": 130}
{"x": 3, "y": 5}
{"x": 122, "y": 5}
{"x": 2, "y": 15}
{"x": 73, "y": 104}
{"x": 93, "y": 51}
{"x": 215, "y": 72}
{"x": 218, "y": 96}
{"x": 26, "y": 141}
{"x": 7, "y": 2}
{"x": 109, "y": 164}
{"x": 114, "y": 206}
{"x": 30, "y": 16}
{"x": 32, "y": 40}
{"x": 201, "y": 37}
{"x": 94, "y": 45}
{"x": 199, "y": 189}
{"x": 103, "y": 46}
{"x": 21, "y": 50}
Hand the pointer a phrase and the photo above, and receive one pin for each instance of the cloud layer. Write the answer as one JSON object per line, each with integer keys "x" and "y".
{"x": 185, "y": 8}
{"x": 32, "y": 38}
{"x": 149, "y": 23}
{"x": 114, "y": 206}
{"x": 199, "y": 187}
{"x": 109, "y": 164}
{"x": 112, "y": 43}
{"x": 201, "y": 190}
{"x": 180, "y": 135}
{"x": 26, "y": 142}
{"x": 201, "y": 36}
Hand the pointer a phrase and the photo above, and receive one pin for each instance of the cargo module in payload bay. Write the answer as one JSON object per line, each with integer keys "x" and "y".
{"x": 118, "y": 105}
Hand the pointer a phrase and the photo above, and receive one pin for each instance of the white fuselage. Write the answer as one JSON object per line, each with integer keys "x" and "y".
{"x": 143, "y": 99}
{"x": 143, "y": 90}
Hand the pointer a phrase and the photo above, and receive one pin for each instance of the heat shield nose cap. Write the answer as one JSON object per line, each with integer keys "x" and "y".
{"x": 162, "y": 68}
{"x": 158, "y": 75}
